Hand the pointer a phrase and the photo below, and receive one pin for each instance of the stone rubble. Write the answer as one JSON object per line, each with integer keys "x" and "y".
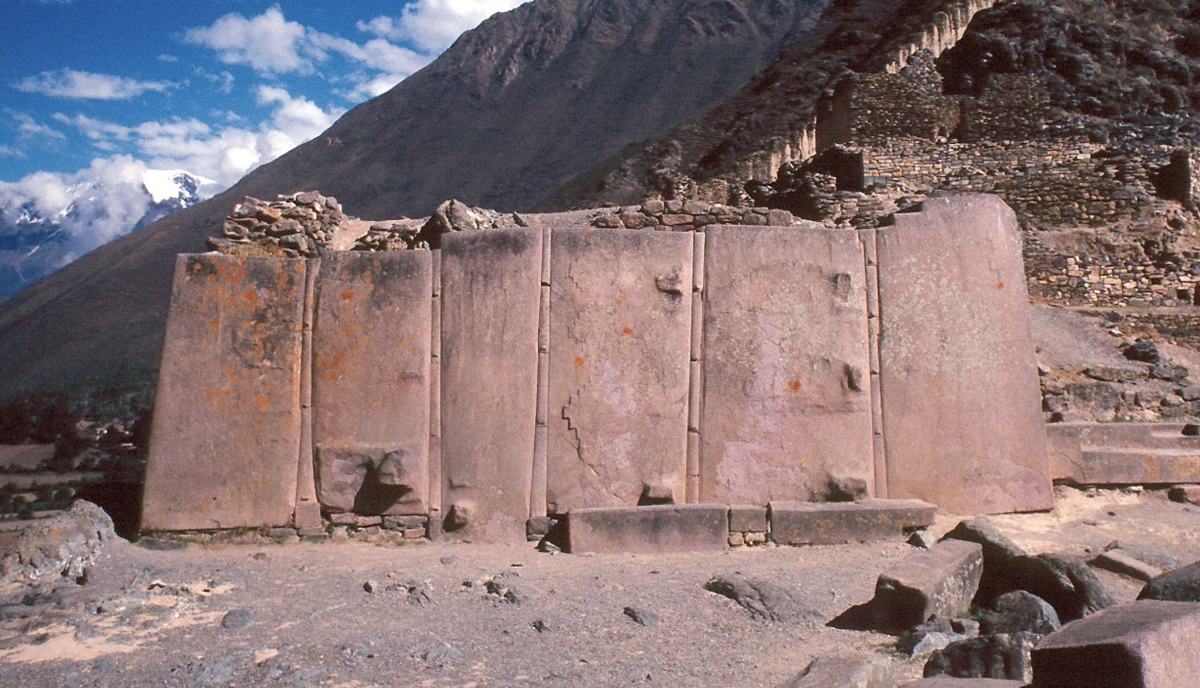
{"x": 299, "y": 225}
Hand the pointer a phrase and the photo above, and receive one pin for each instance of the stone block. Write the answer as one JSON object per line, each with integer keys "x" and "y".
{"x": 371, "y": 381}
{"x": 648, "y": 529}
{"x": 1002, "y": 656}
{"x": 941, "y": 580}
{"x": 1146, "y": 644}
{"x": 961, "y": 404}
{"x": 225, "y": 440}
{"x": 620, "y": 333}
{"x": 491, "y": 294}
{"x": 748, "y": 519}
{"x": 845, "y": 671}
{"x": 836, "y": 523}
{"x": 787, "y": 404}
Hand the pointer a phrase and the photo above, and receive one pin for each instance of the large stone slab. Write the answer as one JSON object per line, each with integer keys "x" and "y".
{"x": 491, "y": 289}
{"x": 787, "y": 404}
{"x": 837, "y": 523}
{"x": 620, "y": 342}
{"x": 962, "y": 413}
{"x": 648, "y": 529}
{"x": 371, "y": 371}
{"x": 225, "y": 440}
{"x": 941, "y": 580}
{"x": 1147, "y": 644}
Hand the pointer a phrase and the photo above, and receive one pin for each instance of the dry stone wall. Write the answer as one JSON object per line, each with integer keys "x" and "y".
{"x": 519, "y": 372}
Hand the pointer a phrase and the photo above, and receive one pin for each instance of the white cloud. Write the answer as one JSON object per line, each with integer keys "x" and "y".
{"x": 92, "y": 207}
{"x": 222, "y": 153}
{"x": 268, "y": 43}
{"x": 271, "y": 44}
{"x": 73, "y": 83}
{"x": 10, "y": 152}
{"x": 30, "y": 128}
{"x": 432, "y": 25}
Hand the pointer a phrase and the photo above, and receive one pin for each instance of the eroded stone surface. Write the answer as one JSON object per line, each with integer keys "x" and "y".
{"x": 787, "y": 403}
{"x": 620, "y": 338}
{"x": 225, "y": 441}
{"x": 491, "y": 290}
{"x": 371, "y": 370}
{"x": 961, "y": 408}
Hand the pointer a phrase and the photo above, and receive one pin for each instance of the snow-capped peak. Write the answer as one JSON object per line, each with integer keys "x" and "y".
{"x": 164, "y": 185}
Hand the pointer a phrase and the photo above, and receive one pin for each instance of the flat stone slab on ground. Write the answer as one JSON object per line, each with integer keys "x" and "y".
{"x": 1147, "y": 644}
{"x": 836, "y": 523}
{"x": 1119, "y": 562}
{"x": 844, "y": 671}
{"x": 648, "y": 529}
{"x": 941, "y": 580}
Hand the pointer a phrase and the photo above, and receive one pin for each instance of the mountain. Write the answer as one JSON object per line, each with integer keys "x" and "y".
{"x": 36, "y": 240}
{"x": 514, "y": 108}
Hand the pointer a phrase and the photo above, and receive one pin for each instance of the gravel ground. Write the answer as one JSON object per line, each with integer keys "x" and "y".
{"x": 353, "y": 615}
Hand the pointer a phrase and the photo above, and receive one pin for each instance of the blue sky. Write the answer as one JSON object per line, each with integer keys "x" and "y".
{"x": 98, "y": 91}
{"x": 153, "y": 79}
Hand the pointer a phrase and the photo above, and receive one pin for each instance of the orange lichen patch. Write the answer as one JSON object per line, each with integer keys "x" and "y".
{"x": 999, "y": 285}
{"x": 794, "y": 385}
{"x": 347, "y": 295}
{"x": 628, "y": 330}
{"x": 579, "y": 362}
{"x": 262, "y": 400}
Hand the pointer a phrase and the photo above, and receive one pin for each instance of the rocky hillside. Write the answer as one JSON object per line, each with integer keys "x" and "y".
{"x": 1128, "y": 67}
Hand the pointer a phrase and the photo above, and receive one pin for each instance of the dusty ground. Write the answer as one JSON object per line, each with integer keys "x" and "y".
{"x": 155, "y": 618}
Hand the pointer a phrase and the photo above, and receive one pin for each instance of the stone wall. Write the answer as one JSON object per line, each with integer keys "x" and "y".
{"x": 569, "y": 367}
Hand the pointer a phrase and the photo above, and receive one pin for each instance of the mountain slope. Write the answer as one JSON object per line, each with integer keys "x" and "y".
{"x": 514, "y": 108}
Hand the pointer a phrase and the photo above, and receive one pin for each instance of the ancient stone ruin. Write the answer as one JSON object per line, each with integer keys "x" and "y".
{"x": 522, "y": 372}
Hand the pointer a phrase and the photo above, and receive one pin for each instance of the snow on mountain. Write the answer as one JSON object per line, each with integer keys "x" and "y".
{"x": 46, "y": 221}
{"x": 166, "y": 185}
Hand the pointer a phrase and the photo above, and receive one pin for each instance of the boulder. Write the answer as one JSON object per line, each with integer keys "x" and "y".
{"x": 1180, "y": 585}
{"x": 1018, "y": 611}
{"x": 64, "y": 545}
